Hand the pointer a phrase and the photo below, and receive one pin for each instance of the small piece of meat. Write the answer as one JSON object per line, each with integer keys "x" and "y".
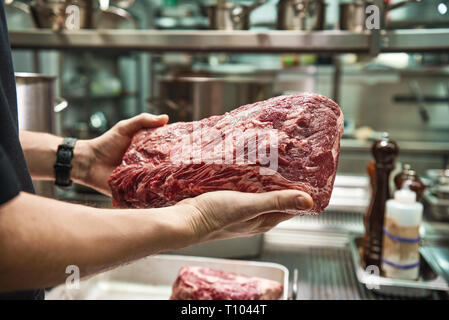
{"x": 199, "y": 283}
{"x": 286, "y": 142}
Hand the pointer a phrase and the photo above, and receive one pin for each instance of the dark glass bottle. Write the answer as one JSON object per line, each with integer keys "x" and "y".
{"x": 385, "y": 152}
{"x": 416, "y": 183}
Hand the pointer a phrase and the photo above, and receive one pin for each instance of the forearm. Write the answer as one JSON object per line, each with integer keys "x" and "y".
{"x": 40, "y": 154}
{"x": 40, "y": 237}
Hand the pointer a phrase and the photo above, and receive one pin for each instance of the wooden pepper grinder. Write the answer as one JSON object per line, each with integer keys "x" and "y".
{"x": 385, "y": 152}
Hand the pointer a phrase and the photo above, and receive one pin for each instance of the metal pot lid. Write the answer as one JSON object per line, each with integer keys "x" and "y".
{"x": 33, "y": 77}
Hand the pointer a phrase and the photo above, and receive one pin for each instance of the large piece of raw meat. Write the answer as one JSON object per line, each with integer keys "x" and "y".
{"x": 286, "y": 142}
{"x": 198, "y": 283}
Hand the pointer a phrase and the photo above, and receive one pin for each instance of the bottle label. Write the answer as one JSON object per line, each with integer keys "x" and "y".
{"x": 401, "y": 239}
{"x": 400, "y": 252}
{"x": 401, "y": 266}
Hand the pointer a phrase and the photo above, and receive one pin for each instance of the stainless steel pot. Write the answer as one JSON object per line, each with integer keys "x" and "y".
{"x": 230, "y": 16}
{"x": 194, "y": 97}
{"x": 39, "y": 110}
{"x": 123, "y": 4}
{"x": 353, "y": 14}
{"x": 53, "y": 14}
{"x": 304, "y": 15}
{"x": 114, "y": 18}
{"x": 425, "y": 14}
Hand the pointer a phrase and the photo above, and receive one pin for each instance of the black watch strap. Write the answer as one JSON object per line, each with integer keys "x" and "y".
{"x": 63, "y": 164}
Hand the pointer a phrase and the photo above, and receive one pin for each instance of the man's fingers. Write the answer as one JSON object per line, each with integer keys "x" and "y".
{"x": 144, "y": 120}
{"x": 240, "y": 213}
{"x": 256, "y": 203}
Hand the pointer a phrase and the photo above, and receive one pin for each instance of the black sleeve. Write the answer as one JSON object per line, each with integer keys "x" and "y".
{"x": 9, "y": 185}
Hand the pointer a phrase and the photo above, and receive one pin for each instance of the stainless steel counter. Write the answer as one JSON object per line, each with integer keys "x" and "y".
{"x": 324, "y": 273}
{"x": 318, "y": 247}
{"x": 409, "y": 147}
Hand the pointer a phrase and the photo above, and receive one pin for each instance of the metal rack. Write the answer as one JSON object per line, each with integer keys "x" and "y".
{"x": 334, "y": 41}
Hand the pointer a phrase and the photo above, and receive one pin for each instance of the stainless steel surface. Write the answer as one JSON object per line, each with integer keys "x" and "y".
{"x": 14, "y": 8}
{"x": 350, "y": 194}
{"x": 436, "y": 195}
{"x": 425, "y": 14}
{"x": 230, "y": 16}
{"x": 413, "y": 147}
{"x": 295, "y": 284}
{"x": 36, "y": 104}
{"x": 237, "y": 41}
{"x": 325, "y": 273}
{"x": 409, "y": 120}
{"x": 416, "y": 89}
{"x": 230, "y": 248}
{"x": 104, "y": 5}
{"x": 428, "y": 279}
{"x": 326, "y": 269}
{"x": 35, "y": 99}
{"x": 336, "y": 78}
{"x": 188, "y": 98}
{"x": 436, "y": 207}
{"x": 354, "y": 14}
{"x": 152, "y": 278}
{"x": 318, "y": 246}
{"x": 413, "y": 40}
{"x": 53, "y": 13}
{"x": 114, "y": 18}
{"x": 306, "y": 15}
{"x": 438, "y": 257}
{"x": 330, "y": 221}
{"x": 124, "y": 4}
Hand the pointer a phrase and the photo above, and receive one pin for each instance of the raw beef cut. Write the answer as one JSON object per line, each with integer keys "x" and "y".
{"x": 286, "y": 142}
{"x": 197, "y": 283}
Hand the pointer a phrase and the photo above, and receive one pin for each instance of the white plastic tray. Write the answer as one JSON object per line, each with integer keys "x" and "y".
{"x": 151, "y": 278}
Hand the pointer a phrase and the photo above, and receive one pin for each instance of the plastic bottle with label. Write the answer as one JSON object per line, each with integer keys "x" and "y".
{"x": 403, "y": 216}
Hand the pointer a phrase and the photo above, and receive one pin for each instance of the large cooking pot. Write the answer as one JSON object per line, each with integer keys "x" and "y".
{"x": 53, "y": 14}
{"x": 39, "y": 110}
{"x": 304, "y": 15}
{"x": 353, "y": 14}
{"x": 194, "y": 97}
{"x": 230, "y": 16}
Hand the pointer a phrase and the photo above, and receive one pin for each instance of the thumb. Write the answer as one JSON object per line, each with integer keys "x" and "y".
{"x": 283, "y": 200}
{"x": 144, "y": 120}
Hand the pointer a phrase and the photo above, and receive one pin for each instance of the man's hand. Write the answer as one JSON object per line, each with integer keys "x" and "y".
{"x": 229, "y": 214}
{"x": 95, "y": 159}
{"x": 40, "y": 237}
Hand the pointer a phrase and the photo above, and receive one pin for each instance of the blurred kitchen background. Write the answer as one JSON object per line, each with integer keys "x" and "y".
{"x": 159, "y": 57}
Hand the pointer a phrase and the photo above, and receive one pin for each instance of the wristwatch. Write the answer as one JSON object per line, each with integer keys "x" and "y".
{"x": 63, "y": 164}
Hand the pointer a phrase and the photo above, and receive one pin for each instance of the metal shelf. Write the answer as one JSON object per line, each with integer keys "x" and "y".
{"x": 232, "y": 41}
